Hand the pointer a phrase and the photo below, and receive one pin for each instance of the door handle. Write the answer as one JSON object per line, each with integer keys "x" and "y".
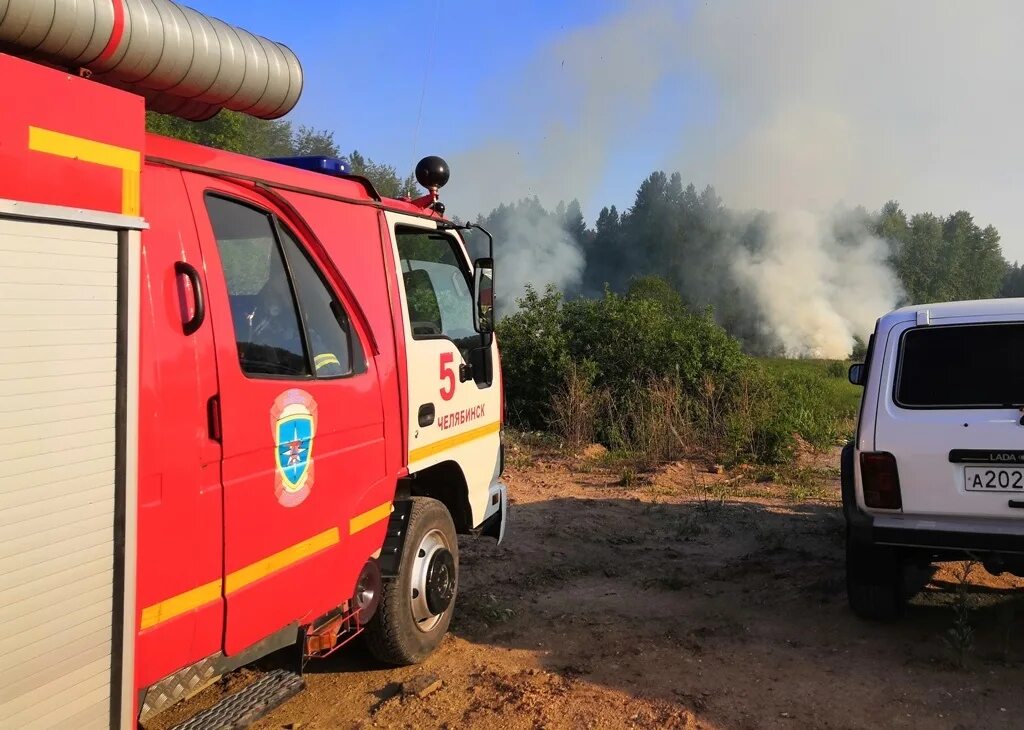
{"x": 199, "y": 314}
{"x": 426, "y": 415}
{"x": 213, "y": 418}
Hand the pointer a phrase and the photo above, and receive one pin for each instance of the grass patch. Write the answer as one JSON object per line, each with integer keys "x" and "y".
{"x": 817, "y": 400}
{"x": 807, "y": 492}
{"x": 661, "y": 490}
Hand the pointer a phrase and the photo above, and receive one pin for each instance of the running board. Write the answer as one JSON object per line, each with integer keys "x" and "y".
{"x": 187, "y": 682}
{"x": 248, "y": 705}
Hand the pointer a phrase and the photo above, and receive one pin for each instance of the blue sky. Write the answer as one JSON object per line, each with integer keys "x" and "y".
{"x": 366, "y": 71}
{"x": 781, "y": 105}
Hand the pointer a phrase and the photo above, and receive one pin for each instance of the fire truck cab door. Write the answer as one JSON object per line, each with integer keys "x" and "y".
{"x": 454, "y": 392}
{"x": 301, "y": 418}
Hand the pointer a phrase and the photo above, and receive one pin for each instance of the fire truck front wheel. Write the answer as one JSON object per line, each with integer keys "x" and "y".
{"x": 416, "y": 607}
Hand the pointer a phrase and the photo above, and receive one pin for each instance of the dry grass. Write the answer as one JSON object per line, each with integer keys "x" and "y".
{"x": 576, "y": 408}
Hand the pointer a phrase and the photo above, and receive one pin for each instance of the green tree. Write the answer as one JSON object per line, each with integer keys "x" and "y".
{"x": 603, "y": 252}
{"x": 229, "y": 131}
{"x": 248, "y": 135}
{"x": 535, "y": 356}
{"x": 657, "y": 289}
{"x": 308, "y": 141}
{"x": 1013, "y": 282}
{"x": 983, "y": 268}
{"x": 385, "y": 178}
{"x": 924, "y": 273}
{"x": 572, "y": 222}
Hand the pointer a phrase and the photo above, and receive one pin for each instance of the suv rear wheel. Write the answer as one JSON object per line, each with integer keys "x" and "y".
{"x": 874, "y": 580}
{"x": 416, "y": 607}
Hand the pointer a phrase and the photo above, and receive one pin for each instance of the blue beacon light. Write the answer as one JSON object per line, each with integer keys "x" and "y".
{"x": 316, "y": 163}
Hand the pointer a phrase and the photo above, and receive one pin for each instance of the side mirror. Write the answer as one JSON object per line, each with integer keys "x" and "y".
{"x": 856, "y": 374}
{"x": 483, "y": 296}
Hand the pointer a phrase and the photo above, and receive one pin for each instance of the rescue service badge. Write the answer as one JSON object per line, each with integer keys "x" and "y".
{"x": 293, "y": 420}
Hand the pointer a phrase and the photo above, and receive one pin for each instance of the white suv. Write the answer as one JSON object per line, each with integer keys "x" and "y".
{"x": 936, "y": 470}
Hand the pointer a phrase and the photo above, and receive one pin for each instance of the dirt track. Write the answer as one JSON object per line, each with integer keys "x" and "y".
{"x": 684, "y": 600}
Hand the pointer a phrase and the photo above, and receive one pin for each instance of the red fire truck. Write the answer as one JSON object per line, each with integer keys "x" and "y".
{"x": 246, "y": 404}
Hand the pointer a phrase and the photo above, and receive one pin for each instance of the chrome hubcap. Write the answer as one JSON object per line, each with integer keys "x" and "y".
{"x": 433, "y": 580}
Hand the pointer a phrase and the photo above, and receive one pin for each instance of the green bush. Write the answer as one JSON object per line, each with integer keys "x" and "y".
{"x": 535, "y": 358}
{"x": 646, "y": 377}
{"x": 622, "y": 342}
{"x": 811, "y": 402}
{"x": 632, "y": 340}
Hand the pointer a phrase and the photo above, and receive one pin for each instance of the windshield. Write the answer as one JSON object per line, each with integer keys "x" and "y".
{"x": 437, "y": 286}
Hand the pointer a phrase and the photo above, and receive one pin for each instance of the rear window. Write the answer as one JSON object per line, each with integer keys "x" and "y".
{"x": 963, "y": 366}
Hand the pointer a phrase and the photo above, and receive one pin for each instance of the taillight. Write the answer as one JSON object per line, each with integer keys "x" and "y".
{"x": 881, "y": 480}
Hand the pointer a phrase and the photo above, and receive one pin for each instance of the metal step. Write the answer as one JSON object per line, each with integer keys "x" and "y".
{"x": 246, "y": 706}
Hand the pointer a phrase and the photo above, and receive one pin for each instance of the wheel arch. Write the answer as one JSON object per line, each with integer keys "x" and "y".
{"x": 446, "y": 483}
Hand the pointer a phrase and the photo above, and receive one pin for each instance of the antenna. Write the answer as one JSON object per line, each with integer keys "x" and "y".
{"x": 426, "y": 76}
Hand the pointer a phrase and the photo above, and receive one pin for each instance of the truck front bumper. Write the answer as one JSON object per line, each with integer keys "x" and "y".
{"x": 494, "y": 524}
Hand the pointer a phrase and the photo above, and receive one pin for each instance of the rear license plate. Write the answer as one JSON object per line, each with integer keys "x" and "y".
{"x": 993, "y": 478}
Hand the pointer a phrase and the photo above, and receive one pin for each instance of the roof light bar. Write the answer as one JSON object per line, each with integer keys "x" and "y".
{"x": 316, "y": 163}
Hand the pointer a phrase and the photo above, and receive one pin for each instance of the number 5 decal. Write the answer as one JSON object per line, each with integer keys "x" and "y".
{"x": 447, "y": 374}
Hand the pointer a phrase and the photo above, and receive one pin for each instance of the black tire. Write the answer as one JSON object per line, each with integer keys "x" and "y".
{"x": 394, "y": 635}
{"x": 874, "y": 581}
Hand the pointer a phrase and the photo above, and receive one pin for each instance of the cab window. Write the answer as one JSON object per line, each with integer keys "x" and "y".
{"x": 264, "y": 267}
{"x": 438, "y": 289}
{"x": 335, "y": 351}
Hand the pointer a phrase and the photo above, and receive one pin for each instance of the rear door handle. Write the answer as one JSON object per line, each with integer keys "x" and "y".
{"x": 213, "y": 418}
{"x": 426, "y": 415}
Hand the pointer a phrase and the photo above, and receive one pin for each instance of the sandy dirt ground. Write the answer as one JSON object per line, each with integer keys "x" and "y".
{"x": 682, "y": 599}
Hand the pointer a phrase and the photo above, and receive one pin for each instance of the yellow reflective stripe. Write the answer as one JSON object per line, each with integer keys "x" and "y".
{"x": 131, "y": 192}
{"x": 452, "y": 441}
{"x": 97, "y": 153}
{"x": 262, "y": 568}
{"x": 182, "y": 603}
{"x": 212, "y": 591}
{"x": 86, "y": 150}
{"x": 366, "y": 519}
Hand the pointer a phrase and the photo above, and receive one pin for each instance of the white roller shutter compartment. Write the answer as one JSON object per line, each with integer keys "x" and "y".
{"x": 58, "y": 473}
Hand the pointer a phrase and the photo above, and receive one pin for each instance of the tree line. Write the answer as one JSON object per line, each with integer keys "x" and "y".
{"x": 247, "y": 135}
{"x": 684, "y": 235}
{"x": 936, "y": 258}
{"x": 690, "y": 238}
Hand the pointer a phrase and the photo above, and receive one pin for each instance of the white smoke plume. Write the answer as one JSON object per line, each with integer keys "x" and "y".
{"x": 541, "y": 252}
{"x": 800, "y": 106}
{"x": 815, "y": 293}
